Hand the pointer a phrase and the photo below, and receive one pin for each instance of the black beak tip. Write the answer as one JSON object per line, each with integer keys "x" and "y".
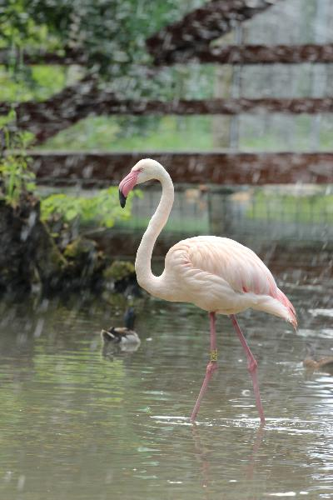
{"x": 122, "y": 199}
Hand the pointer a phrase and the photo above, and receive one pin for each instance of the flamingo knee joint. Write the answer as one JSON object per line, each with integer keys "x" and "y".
{"x": 213, "y": 355}
{"x": 252, "y": 365}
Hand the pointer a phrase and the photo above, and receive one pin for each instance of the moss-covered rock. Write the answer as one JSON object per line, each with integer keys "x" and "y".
{"x": 81, "y": 249}
{"x": 121, "y": 276}
{"x": 119, "y": 269}
{"x": 85, "y": 263}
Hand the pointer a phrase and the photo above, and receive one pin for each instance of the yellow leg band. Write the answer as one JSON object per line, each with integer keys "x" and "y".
{"x": 213, "y": 355}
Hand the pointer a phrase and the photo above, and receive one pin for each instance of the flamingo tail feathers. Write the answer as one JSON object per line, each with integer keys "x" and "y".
{"x": 292, "y": 318}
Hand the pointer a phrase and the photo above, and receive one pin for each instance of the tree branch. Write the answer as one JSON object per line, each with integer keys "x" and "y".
{"x": 198, "y": 28}
{"x": 216, "y": 168}
{"x": 45, "y": 119}
{"x": 60, "y": 111}
{"x": 229, "y": 54}
{"x": 251, "y": 54}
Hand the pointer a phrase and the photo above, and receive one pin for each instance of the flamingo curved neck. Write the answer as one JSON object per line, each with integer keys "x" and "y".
{"x": 145, "y": 277}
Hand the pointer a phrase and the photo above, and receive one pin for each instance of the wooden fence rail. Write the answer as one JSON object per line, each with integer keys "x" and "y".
{"x": 227, "y": 54}
{"x": 226, "y": 168}
{"x": 251, "y": 54}
{"x": 47, "y": 118}
{"x": 101, "y": 103}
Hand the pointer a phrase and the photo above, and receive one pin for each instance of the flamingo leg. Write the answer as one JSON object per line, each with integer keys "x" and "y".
{"x": 211, "y": 367}
{"x": 251, "y": 365}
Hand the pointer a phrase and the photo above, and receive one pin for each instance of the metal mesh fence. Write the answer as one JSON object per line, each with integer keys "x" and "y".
{"x": 302, "y": 213}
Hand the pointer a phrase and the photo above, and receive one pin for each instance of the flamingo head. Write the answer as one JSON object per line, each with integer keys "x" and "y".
{"x": 143, "y": 171}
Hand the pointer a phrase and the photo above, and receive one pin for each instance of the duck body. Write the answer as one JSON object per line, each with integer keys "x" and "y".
{"x": 324, "y": 364}
{"x": 120, "y": 335}
{"x": 122, "y": 338}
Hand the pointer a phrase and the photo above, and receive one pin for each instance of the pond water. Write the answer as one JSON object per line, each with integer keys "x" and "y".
{"x": 80, "y": 424}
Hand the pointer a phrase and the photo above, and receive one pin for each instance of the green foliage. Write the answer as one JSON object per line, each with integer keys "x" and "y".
{"x": 15, "y": 175}
{"x": 111, "y": 33}
{"x": 19, "y": 30}
{"x": 102, "y": 209}
{"x": 37, "y": 82}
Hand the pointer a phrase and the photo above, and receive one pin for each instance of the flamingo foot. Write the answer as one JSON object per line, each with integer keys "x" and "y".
{"x": 211, "y": 367}
{"x": 251, "y": 366}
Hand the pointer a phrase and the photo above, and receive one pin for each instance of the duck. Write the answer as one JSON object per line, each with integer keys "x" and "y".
{"x": 123, "y": 337}
{"x": 324, "y": 364}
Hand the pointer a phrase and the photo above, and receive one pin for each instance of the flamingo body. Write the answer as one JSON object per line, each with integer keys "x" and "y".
{"x": 216, "y": 274}
{"x": 221, "y": 275}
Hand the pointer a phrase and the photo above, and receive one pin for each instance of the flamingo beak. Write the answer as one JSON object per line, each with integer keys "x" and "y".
{"x": 126, "y": 185}
{"x": 122, "y": 199}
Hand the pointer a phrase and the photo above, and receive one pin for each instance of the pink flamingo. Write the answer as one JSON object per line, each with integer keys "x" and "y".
{"x": 216, "y": 274}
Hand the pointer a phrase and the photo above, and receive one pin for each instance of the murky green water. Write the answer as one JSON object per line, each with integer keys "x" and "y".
{"x": 78, "y": 425}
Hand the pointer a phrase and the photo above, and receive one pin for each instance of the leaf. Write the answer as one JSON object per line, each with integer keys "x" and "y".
{"x": 101, "y": 209}
{"x": 14, "y": 167}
